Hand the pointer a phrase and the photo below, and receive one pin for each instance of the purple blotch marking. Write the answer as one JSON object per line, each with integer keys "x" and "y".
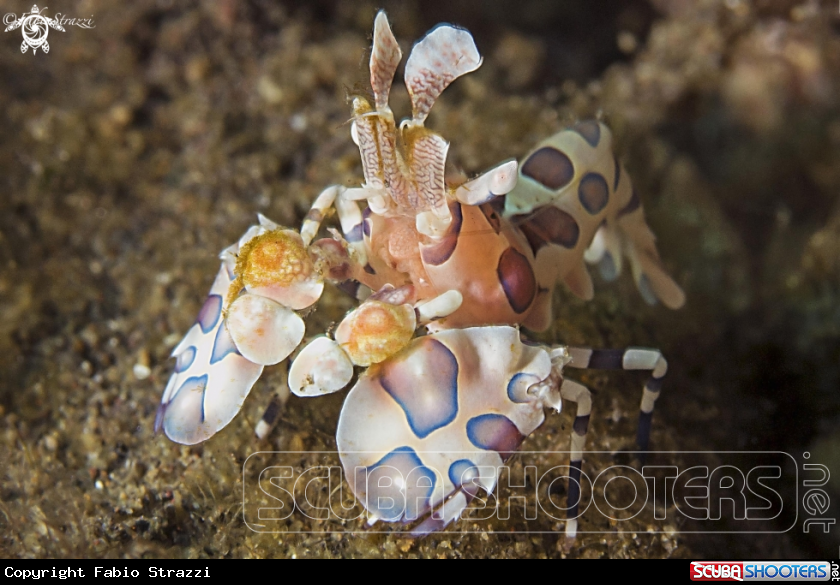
{"x": 431, "y": 401}
{"x": 355, "y": 233}
{"x": 194, "y": 384}
{"x": 549, "y": 167}
{"x": 593, "y": 192}
{"x": 210, "y": 313}
{"x": 462, "y": 472}
{"x": 185, "y": 359}
{"x": 517, "y": 279}
{"x": 407, "y": 501}
{"x": 590, "y": 130}
{"x": 222, "y": 346}
{"x": 366, "y": 224}
{"x": 442, "y": 251}
{"x": 494, "y": 432}
{"x": 550, "y": 225}
{"x": 517, "y": 389}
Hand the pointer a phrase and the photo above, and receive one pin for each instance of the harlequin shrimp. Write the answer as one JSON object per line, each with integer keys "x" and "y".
{"x": 469, "y": 264}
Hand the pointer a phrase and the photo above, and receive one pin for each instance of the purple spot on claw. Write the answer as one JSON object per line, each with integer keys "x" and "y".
{"x": 194, "y": 384}
{"x": 398, "y": 486}
{"x": 462, "y": 472}
{"x": 424, "y": 382}
{"x": 185, "y": 360}
{"x": 210, "y": 313}
{"x": 517, "y": 389}
{"x": 222, "y": 346}
{"x": 494, "y": 432}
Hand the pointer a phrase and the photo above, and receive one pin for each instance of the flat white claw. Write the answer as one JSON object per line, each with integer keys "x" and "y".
{"x": 265, "y": 332}
{"x": 441, "y": 306}
{"x": 267, "y": 223}
{"x": 201, "y": 406}
{"x": 250, "y": 234}
{"x": 497, "y": 181}
{"x": 322, "y": 367}
{"x": 196, "y": 335}
{"x": 211, "y": 378}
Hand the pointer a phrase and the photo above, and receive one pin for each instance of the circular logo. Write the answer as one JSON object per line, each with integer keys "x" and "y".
{"x": 35, "y": 30}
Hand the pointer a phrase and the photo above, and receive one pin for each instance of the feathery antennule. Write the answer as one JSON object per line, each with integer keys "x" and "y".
{"x": 437, "y": 60}
{"x": 427, "y": 166}
{"x": 364, "y": 134}
{"x": 384, "y": 59}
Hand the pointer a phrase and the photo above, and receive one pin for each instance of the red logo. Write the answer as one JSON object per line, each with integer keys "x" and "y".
{"x": 701, "y": 571}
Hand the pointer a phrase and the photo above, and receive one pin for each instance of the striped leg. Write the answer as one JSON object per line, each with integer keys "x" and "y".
{"x": 354, "y": 288}
{"x": 632, "y": 358}
{"x": 312, "y": 222}
{"x": 350, "y": 218}
{"x": 269, "y": 418}
{"x": 272, "y": 412}
{"x": 579, "y": 394}
{"x": 349, "y": 215}
{"x": 352, "y": 223}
